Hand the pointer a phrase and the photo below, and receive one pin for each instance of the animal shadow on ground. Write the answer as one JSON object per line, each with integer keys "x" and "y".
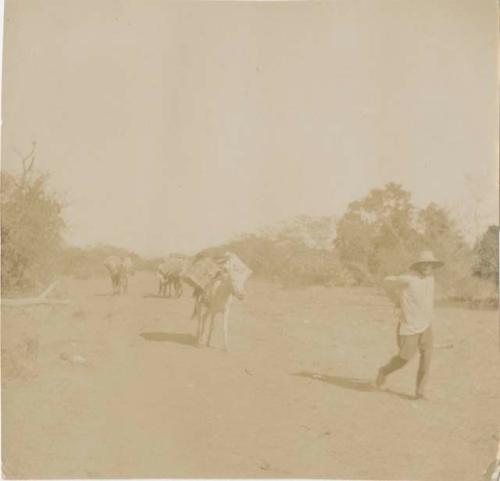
{"x": 362, "y": 385}
{"x": 177, "y": 337}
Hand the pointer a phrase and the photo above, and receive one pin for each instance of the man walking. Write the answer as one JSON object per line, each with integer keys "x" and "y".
{"x": 416, "y": 302}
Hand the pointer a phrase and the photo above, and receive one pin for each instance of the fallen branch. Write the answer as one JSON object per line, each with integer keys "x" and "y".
{"x": 34, "y": 301}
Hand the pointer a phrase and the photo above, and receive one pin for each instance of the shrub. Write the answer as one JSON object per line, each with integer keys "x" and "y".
{"x": 31, "y": 228}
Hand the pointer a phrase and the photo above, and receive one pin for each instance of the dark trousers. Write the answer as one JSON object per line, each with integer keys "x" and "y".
{"x": 408, "y": 347}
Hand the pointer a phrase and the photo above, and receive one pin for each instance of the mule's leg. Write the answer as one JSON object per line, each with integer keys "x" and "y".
{"x": 204, "y": 325}
{"x": 200, "y": 317}
{"x": 211, "y": 329}
{"x": 226, "y": 329}
{"x": 198, "y": 330}
{"x": 197, "y": 306}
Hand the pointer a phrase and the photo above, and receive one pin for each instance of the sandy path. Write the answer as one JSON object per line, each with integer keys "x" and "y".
{"x": 291, "y": 399}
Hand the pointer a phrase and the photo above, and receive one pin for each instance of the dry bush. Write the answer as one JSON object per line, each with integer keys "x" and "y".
{"x": 31, "y": 228}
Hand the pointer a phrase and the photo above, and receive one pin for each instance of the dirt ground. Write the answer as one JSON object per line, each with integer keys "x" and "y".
{"x": 114, "y": 387}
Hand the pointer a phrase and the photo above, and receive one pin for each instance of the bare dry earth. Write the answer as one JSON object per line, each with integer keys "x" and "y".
{"x": 113, "y": 387}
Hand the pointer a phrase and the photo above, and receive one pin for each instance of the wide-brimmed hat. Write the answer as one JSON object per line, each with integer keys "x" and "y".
{"x": 427, "y": 257}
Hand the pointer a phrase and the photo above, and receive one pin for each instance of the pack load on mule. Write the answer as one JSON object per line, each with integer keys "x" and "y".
{"x": 201, "y": 272}
{"x": 169, "y": 275}
{"x": 237, "y": 269}
{"x": 204, "y": 269}
{"x": 119, "y": 269}
{"x": 216, "y": 281}
{"x": 174, "y": 264}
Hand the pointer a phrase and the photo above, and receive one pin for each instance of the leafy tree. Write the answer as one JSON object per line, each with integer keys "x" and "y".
{"x": 439, "y": 233}
{"x": 315, "y": 233}
{"x": 377, "y": 234}
{"x": 486, "y": 255}
{"x": 384, "y": 232}
{"x": 295, "y": 252}
{"x": 31, "y": 228}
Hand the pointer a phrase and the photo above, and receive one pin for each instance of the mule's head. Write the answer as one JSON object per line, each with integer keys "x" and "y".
{"x": 237, "y": 285}
{"x": 237, "y": 272}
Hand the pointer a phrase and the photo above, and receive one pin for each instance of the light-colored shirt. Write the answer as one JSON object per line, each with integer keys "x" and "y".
{"x": 416, "y": 302}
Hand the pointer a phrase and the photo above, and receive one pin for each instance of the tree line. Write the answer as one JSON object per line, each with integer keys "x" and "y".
{"x": 377, "y": 235}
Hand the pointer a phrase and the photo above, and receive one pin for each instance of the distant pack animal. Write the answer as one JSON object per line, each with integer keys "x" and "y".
{"x": 119, "y": 270}
{"x": 215, "y": 299}
{"x": 174, "y": 285}
{"x": 163, "y": 274}
{"x": 169, "y": 282}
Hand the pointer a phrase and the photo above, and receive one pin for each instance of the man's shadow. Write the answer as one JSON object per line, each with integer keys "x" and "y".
{"x": 176, "y": 337}
{"x": 354, "y": 384}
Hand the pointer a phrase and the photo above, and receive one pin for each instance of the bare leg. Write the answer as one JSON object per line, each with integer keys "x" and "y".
{"x": 426, "y": 347}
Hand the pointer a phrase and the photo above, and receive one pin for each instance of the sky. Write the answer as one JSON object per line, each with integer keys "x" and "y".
{"x": 172, "y": 126}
